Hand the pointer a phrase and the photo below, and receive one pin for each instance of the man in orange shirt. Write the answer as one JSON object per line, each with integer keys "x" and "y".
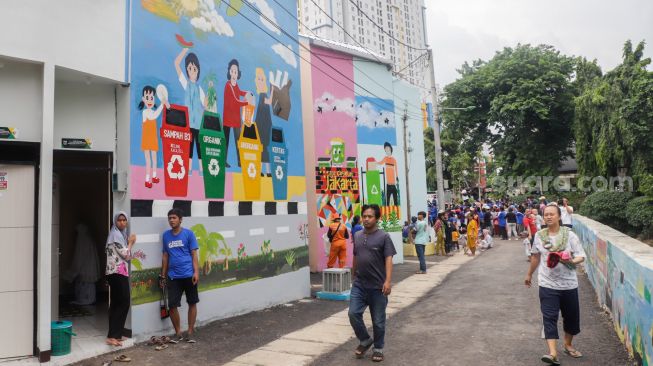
{"x": 338, "y": 235}
{"x": 390, "y": 164}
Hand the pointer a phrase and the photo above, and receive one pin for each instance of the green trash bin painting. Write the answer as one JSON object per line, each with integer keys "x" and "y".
{"x": 213, "y": 155}
{"x": 61, "y": 333}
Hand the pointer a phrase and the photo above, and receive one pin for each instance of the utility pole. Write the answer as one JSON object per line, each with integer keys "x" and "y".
{"x": 405, "y": 120}
{"x": 436, "y": 135}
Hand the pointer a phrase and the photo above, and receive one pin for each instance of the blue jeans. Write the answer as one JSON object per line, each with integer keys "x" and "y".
{"x": 360, "y": 299}
{"x": 420, "y": 248}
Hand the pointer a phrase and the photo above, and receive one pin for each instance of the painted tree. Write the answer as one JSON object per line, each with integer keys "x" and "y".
{"x": 523, "y": 100}
{"x": 209, "y": 244}
{"x": 225, "y": 250}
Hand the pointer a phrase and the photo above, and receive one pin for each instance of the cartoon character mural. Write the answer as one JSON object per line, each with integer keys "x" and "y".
{"x": 149, "y": 139}
{"x": 202, "y": 39}
{"x": 186, "y": 50}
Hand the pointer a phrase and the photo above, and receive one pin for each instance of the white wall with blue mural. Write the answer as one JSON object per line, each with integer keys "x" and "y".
{"x": 620, "y": 269}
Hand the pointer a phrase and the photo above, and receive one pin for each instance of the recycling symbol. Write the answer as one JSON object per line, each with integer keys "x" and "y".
{"x": 375, "y": 190}
{"x": 279, "y": 172}
{"x": 181, "y": 173}
{"x": 214, "y": 167}
{"x": 251, "y": 170}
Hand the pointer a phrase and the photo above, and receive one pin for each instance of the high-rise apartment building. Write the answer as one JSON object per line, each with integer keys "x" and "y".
{"x": 395, "y": 29}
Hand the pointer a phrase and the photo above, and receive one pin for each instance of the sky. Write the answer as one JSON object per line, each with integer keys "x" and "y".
{"x": 465, "y": 30}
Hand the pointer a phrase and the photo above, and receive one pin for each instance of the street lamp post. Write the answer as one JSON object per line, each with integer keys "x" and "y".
{"x": 436, "y": 132}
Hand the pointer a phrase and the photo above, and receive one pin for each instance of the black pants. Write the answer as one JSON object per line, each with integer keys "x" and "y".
{"x": 563, "y": 301}
{"x": 503, "y": 232}
{"x": 119, "y": 304}
{"x": 391, "y": 191}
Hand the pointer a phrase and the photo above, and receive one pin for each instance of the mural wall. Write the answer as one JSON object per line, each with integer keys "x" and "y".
{"x": 357, "y": 159}
{"x": 216, "y": 130}
{"x": 623, "y": 285}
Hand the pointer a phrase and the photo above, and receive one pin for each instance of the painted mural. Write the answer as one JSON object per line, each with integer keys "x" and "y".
{"x": 624, "y": 287}
{"x": 214, "y": 119}
{"x": 216, "y": 116}
{"x": 355, "y": 147}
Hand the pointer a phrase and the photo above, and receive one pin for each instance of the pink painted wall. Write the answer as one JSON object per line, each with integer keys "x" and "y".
{"x": 332, "y": 90}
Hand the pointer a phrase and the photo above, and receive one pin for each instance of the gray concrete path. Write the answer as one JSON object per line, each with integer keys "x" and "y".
{"x": 482, "y": 314}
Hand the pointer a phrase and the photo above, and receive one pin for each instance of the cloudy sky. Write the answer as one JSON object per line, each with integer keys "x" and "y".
{"x": 464, "y": 30}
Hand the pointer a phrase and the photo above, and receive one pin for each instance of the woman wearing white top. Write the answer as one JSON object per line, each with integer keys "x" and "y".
{"x": 557, "y": 280}
{"x": 565, "y": 213}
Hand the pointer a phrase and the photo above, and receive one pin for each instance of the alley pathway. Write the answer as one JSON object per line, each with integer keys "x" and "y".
{"x": 482, "y": 314}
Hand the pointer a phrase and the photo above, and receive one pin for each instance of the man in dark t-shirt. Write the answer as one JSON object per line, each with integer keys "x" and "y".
{"x": 372, "y": 272}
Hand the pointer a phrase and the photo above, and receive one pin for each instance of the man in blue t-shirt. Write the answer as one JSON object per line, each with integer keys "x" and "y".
{"x": 502, "y": 224}
{"x": 180, "y": 272}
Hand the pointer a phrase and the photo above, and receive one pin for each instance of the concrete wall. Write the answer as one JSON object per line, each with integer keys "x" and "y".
{"x": 620, "y": 269}
{"x": 21, "y": 94}
{"x": 407, "y": 97}
{"x": 88, "y": 36}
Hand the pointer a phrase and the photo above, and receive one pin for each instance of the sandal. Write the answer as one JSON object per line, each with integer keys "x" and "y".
{"x": 122, "y": 358}
{"x": 161, "y": 347}
{"x": 551, "y": 360}
{"x": 360, "y": 350}
{"x": 377, "y": 356}
{"x": 572, "y": 353}
{"x": 166, "y": 339}
{"x": 153, "y": 341}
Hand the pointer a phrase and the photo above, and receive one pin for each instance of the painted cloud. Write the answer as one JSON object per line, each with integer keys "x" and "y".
{"x": 209, "y": 20}
{"x": 366, "y": 114}
{"x": 285, "y": 53}
{"x": 267, "y": 11}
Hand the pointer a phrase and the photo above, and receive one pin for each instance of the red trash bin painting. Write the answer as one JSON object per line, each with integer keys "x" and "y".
{"x": 176, "y": 138}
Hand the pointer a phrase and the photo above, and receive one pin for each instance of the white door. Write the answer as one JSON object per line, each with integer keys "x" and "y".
{"x": 17, "y": 270}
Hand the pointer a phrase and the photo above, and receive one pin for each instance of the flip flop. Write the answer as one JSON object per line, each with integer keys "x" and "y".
{"x": 122, "y": 358}
{"x": 153, "y": 341}
{"x": 360, "y": 350}
{"x": 548, "y": 359}
{"x": 166, "y": 339}
{"x": 377, "y": 357}
{"x": 161, "y": 347}
{"x": 573, "y": 353}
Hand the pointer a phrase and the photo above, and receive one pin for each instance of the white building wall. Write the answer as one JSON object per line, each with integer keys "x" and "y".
{"x": 21, "y": 90}
{"x": 88, "y": 36}
{"x": 380, "y": 26}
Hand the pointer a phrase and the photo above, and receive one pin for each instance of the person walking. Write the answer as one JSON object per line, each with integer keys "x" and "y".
{"x": 372, "y": 275}
{"x": 421, "y": 238}
{"x": 355, "y": 227}
{"x": 556, "y": 253}
{"x": 118, "y": 250}
{"x": 566, "y": 212}
{"x": 338, "y": 235}
{"x": 439, "y": 228}
{"x": 511, "y": 221}
{"x": 502, "y": 223}
{"x": 180, "y": 272}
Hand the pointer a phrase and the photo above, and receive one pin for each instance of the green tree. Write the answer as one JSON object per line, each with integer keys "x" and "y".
{"x": 613, "y": 114}
{"x": 523, "y": 100}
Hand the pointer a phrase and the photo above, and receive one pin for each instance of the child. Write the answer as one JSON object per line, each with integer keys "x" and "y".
{"x": 149, "y": 140}
{"x": 527, "y": 245}
{"x": 455, "y": 235}
{"x": 462, "y": 240}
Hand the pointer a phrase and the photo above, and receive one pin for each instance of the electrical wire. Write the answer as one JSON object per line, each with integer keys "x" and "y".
{"x": 257, "y": 11}
{"x": 383, "y": 30}
{"x": 354, "y": 38}
{"x": 354, "y": 64}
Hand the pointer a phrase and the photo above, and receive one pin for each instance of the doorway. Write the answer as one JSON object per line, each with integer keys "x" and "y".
{"x": 18, "y": 197}
{"x": 82, "y": 204}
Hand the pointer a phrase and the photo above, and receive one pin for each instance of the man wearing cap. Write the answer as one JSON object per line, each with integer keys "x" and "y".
{"x": 338, "y": 235}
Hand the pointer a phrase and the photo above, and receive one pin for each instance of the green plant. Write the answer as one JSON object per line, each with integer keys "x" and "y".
{"x": 240, "y": 252}
{"x": 209, "y": 244}
{"x": 290, "y": 258}
{"x": 608, "y": 207}
{"x": 646, "y": 185}
{"x": 226, "y": 252}
{"x": 266, "y": 250}
{"x": 640, "y": 214}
